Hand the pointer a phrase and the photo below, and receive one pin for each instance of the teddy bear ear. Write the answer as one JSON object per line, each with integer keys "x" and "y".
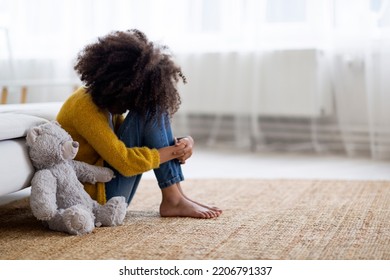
{"x": 32, "y": 135}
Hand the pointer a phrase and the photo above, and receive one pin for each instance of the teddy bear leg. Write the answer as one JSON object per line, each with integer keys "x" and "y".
{"x": 112, "y": 213}
{"x": 56, "y": 223}
{"x": 78, "y": 220}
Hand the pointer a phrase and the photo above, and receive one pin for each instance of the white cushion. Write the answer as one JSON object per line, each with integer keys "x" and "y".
{"x": 16, "y": 169}
{"x": 16, "y": 125}
{"x": 46, "y": 110}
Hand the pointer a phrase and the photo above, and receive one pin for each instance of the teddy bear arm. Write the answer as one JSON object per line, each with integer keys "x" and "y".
{"x": 43, "y": 195}
{"x": 90, "y": 173}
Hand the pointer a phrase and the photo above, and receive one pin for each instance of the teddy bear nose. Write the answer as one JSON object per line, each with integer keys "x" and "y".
{"x": 75, "y": 144}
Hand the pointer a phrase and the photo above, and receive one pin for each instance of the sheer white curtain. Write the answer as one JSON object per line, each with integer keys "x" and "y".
{"x": 360, "y": 62}
{"x": 58, "y": 28}
{"x": 283, "y": 58}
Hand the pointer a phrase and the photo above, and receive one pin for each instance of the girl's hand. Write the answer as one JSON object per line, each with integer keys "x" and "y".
{"x": 171, "y": 152}
{"x": 188, "y": 148}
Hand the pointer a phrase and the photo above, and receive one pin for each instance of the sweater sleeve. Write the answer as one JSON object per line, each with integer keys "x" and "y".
{"x": 92, "y": 124}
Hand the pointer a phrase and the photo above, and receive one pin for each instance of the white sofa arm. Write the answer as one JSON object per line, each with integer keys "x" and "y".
{"x": 16, "y": 169}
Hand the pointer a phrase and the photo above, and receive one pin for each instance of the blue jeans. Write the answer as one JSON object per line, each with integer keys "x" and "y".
{"x": 137, "y": 131}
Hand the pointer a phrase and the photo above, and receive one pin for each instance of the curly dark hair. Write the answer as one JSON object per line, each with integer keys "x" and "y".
{"x": 125, "y": 71}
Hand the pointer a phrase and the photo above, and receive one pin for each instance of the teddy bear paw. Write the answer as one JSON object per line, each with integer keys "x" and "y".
{"x": 105, "y": 175}
{"x": 113, "y": 212}
{"x": 78, "y": 220}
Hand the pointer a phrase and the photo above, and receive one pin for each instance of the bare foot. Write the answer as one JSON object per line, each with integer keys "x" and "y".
{"x": 175, "y": 204}
{"x": 200, "y": 204}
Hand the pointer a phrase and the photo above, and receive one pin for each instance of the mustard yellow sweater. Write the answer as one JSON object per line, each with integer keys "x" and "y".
{"x": 90, "y": 126}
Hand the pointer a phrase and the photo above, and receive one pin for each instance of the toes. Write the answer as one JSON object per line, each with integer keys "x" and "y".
{"x": 211, "y": 214}
{"x": 202, "y": 215}
{"x": 207, "y": 213}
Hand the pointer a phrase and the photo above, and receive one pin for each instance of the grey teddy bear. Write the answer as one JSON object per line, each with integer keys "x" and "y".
{"x": 57, "y": 196}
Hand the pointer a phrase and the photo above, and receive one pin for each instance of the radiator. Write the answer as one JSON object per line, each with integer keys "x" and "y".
{"x": 269, "y": 83}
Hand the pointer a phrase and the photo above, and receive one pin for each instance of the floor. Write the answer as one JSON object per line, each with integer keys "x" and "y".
{"x": 225, "y": 163}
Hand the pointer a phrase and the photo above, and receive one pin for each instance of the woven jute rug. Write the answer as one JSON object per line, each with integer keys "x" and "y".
{"x": 262, "y": 219}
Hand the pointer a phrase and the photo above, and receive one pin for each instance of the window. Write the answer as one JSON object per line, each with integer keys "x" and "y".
{"x": 286, "y": 11}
